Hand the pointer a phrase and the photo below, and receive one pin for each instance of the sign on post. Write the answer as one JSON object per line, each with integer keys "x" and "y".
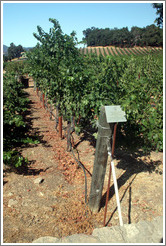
{"x": 108, "y": 116}
{"x": 115, "y": 114}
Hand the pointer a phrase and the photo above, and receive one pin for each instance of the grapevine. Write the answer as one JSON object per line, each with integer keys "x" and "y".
{"x": 15, "y": 103}
{"x": 79, "y": 85}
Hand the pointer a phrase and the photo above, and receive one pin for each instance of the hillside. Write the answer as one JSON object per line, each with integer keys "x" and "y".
{"x": 117, "y": 51}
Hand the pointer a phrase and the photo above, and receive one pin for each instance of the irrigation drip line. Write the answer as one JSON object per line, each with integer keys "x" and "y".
{"x": 88, "y": 133}
{"x": 82, "y": 166}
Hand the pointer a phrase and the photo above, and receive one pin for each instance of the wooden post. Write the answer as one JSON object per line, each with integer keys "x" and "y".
{"x": 109, "y": 177}
{"x": 43, "y": 101}
{"x": 41, "y": 96}
{"x": 57, "y": 117}
{"x": 70, "y": 130}
{"x": 100, "y": 162}
{"x": 60, "y": 126}
{"x": 69, "y": 136}
{"x": 50, "y": 111}
{"x": 34, "y": 85}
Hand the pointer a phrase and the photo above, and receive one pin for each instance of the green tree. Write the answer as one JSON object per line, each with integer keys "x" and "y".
{"x": 14, "y": 51}
{"x": 136, "y": 35}
{"x": 152, "y": 35}
{"x": 159, "y": 8}
{"x": 5, "y": 58}
{"x": 19, "y": 49}
{"x": 11, "y": 51}
{"x": 91, "y": 36}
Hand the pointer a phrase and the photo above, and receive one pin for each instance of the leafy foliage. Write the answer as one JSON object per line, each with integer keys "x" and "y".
{"x": 14, "y": 109}
{"x": 159, "y": 11}
{"x": 79, "y": 85}
{"x": 150, "y": 35}
{"x": 15, "y": 68}
{"x": 142, "y": 100}
{"x": 14, "y": 51}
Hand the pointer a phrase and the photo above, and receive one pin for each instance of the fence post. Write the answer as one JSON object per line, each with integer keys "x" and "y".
{"x": 68, "y": 136}
{"x": 43, "y": 101}
{"x": 34, "y": 85}
{"x": 60, "y": 127}
{"x": 50, "y": 111}
{"x": 41, "y": 95}
{"x": 70, "y": 130}
{"x": 100, "y": 162}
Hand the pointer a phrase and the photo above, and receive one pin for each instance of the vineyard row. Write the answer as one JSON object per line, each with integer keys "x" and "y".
{"x": 79, "y": 84}
{"x": 117, "y": 51}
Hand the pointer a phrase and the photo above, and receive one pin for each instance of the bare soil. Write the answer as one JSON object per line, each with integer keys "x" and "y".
{"x": 111, "y": 50}
{"x": 55, "y": 206}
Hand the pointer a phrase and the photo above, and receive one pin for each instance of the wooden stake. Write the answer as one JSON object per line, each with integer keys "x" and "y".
{"x": 100, "y": 162}
{"x": 68, "y": 136}
{"x": 109, "y": 178}
{"x": 50, "y": 111}
{"x": 43, "y": 100}
{"x": 60, "y": 127}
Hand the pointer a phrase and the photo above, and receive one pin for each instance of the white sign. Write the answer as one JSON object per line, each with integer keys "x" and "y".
{"x": 115, "y": 114}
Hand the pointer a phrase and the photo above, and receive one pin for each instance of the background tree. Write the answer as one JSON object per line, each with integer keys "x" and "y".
{"x": 14, "y": 51}
{"x": 150, "y": 35}
{"x": 11, "y": 51}
{"x": 19, "y": 49}
{"x": 159, "y": 8}
{"x": 5, "y": 58}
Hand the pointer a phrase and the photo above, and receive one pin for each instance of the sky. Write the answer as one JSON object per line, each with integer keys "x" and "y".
{"x": 20, "y": 19}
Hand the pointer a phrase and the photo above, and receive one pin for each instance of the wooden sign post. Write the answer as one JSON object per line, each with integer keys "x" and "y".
{"x": 108, "y": 116}
{"x": 100, "y": 162}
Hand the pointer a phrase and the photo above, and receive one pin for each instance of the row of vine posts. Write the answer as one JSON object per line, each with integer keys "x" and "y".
{"x": 105, "y": 132}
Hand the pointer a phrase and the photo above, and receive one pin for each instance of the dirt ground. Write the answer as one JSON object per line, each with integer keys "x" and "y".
{"x": 48, "y": 198}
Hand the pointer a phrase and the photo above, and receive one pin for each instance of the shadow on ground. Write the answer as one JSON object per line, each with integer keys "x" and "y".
{"x": 132, "y": 166}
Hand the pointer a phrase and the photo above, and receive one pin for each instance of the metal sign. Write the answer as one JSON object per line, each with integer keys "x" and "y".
{"x": 115, "y": 114}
